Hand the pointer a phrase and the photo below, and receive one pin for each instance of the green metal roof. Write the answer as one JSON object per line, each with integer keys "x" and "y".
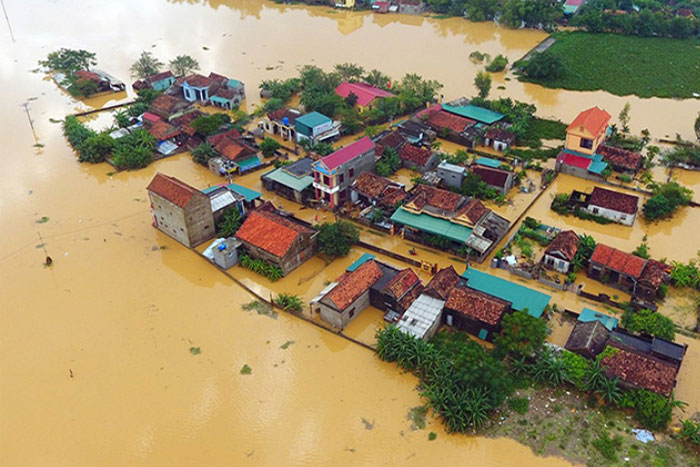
{"x": 208, "y": 190}
{"x": 588, "y": 315}
{"x": 520, "y": 296}
{"x": 283, "y": 177}
{"x": 360, "y": 261}
{"x": 219, "y": 99}
{"x": 488, "y": 162}
{"x": 313, "y": 119}
{"x": 570, "y": 9}
{"x": 479, "y": 114}
{"x": 598, "y": 165}
{"x": 432, "y": 225}
{"x": 249, "y": 194}
{"x": 249, "y": 163}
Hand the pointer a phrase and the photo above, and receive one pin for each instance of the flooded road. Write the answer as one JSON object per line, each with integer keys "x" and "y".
{"x": 98, "y": 354}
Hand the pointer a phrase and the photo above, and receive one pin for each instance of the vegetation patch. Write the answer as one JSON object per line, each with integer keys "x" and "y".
{"x": 262, "y": 267}
{"x": 666, "y": 199}
{"x": 246, "y": 370}
{"x": 417, "y": 417}
{"x": 195, "y": 350}
{"x": 656, "y": 67}
{"x": 260, "y": 308}
{"x": 289, "y": 302}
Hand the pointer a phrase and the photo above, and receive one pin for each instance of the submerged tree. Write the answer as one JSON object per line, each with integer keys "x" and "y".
{"x": 183, "y": 65}
{"x": 69, "y": 61}
{"x": 482, "y": 81}
{"x": 349, "y": 71}
{"x": 147, "y": 65}
{"x": 336, "y": 239}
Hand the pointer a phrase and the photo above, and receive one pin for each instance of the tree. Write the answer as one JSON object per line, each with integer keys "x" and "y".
{"x": 521, "y": 334}
{"x": 697, "y": 126}
{"x": 183, "y": 65}
{"x": 666, "y": 199}
{"x": 82, "y": 87}
{"x": 543, "y": 66}
{"x": 380, "y": 80}
{"x": 147, "y": 65}
{"x": 134, "y": 150}
{"x": 95, "y": 148}
{"x": 351, "y": 99}
{"x": 68, "y": 61}
{"x": 609, "y": 390}
{"x": 336, "y": 239}
{"x": 649, "y": 322}
{"x": 269, "y": 146}
{"x": 122, "y": 119}
{"x": 497, "y": 64}
{"x": 389, "y": 163}
{"x": 482, "y": 81}
{"x": 349, "y": 71}
{"x": 202, "y": 153}
{"x": 207, "y": 125}
{"x": 624, "y": 118}
{"x": 230, "y": 223}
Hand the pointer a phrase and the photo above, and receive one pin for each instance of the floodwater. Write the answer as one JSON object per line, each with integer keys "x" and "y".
{"x": 98, "y": 353}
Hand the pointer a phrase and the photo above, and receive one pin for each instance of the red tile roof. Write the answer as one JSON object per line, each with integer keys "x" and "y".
{"x": 221, "y": 79}
{"x": 150, "y": 117}
{"x": 594, "y": 120}
{"x": 352, "y": 285}
{"x": 88, "y": 75}
{"x": 393, "y": 139}
{"x": 474, "y": 210}
{"x": 401, "y": 283}
{"x": 618, "y": 260}
{"x": 198, "y": 81}
{"x": 230, "y": 134}
{"x": 654, "y": 273}
{"x": 225, "y": 93}
{"x": 620, "y": 158}
{"x": 442, "y": 119}
{"x": 441, "y": 283}
{"x": 229, "y": 149}
{"x": 492, "y": 176}
{"x": 419, "y": 156}
{"x": 614, "y": 200}
{"x": 348, "y": 153}
{"x": 566, "y": 243}
{"x": 364, "y": 92}
{"x": 476, "y": 305}
{"x": 164, "y": 105}
{"x": 162, "y": 130}
{"x": 425, "y": 195}
{"x": 177, "y": 192}
{"x": 371, "y": 185}
{"x": 270, "y": 232}
{"x": 572, "y": 159}
{"x": 640, "y": 370}
{"x": 499, "y": 134}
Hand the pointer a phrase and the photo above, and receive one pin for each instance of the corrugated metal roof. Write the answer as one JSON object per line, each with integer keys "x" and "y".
{"x": 360, "y": 261}
{"x": 283, "y": 177}
{"x": 222, "y": 200}
{"x": 475, "y": 113}
{"x": 488, "y": 162}
{"x": 433, "y": 225}
{"x": 247, "y": 164}
{"x": 421, "y": 315}
{"x": 249, "y": 194}
{"x": 520, "y": 296}
{"x": 313, "y": 119}
{"x": 588, "y": 315}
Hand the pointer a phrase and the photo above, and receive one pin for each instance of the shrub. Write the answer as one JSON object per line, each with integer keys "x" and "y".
{"x": 519, "y": 404}
{"x": 202, "y": 153}
{"x": 608, "y": 446}
{"x": 650, "y": 409}
{"x": 649, "y": 322}
{"x": 262, "y": 267}
{"x": 230, "y": 222}
{"x": 269, "y": 146}
{"x": 289, "y": 302}
{"x": 543, "y": 66}
{"x": 134, "y": 150}
{"x": 497, "y": 64}
{"x": 521, "y": 334}
{"x": 667, "y": 198}
{"x": 336, "y": 239}
{"x": 207, "y": 125}
{"x": 690, "y": 431}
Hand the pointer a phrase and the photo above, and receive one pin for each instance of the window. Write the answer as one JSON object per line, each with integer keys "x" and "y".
{"x": 326, "y": 181}
{"x": 341, "y": 178}
{"x": 352, "y": 313}
{"x": 351, "y": 173}
{"x": 586, "y": 143}
{"x": 317, "y": 177}
{"x": 595, "y": 210}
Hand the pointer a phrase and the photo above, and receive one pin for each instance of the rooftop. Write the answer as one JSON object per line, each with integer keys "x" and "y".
{"x": 474, "y": 210}
{"x": 442, "y": 119}
{"x": 442, "y": 282}
{"x": 640, "y": 370}
{"x": 589, "y": 336}
{"x": 364, "y": 92}
{"x": 417, "y": 155}
{"x": 402, "y": 283}
{"x": 617, "y": 260}
{"x": 491, "y": 176}
{"x": 162, "y": 130}
{"x": 521, "y": 297}
{"x": 489, "y": 162}
{"x": 474, "y": 113}
{"x": 654, "y": 273}
{"x": 313, "y": 119}
{"x": 587, "y": 315}
{"x": 229, "y": 149}
{"x": 283, "y": 177}
{"x": 279, "y": 115}
{"x": 426, "y": 195}
{"x": 432, "y": 225}
{"x": 614, "y": 200}
{"x": 347, "y": 153}
{"x": 270, "y": 232}
{"x": 423, "y": 313}
{"x": 566, "y": 243}
{"x": 500, "y": 134}
{"x": 622, "y": 158}
{"x": 477, "y": 305}
{"x": 177, "y": 192}
{"x": 160, "y": 76}
{"x": 198, "y": 81}
{"x": 360, "y": 261}
{"x": 594, "y": 120}
{"x": 164, "y": 104}
{"x": 246, "y": 192}
{"x": 354, "y": 284}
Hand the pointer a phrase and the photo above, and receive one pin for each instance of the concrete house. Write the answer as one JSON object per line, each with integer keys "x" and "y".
{"x": 281, "y": 122}
{"x": 614, "y": 205}
{"x": 498, "y": 138}
{"x": 451, "y": 175}
{"x": 350, "y": 295}
{"x": 587, "y": 131}
{"x": 475, "y": 312}
{"x": 370, "y": 189}
{"x": 180, "y": 211}
{"x": 236, "y": 155}
{"x": 561, "y": 252}
{"x": 498, "y": 179}
{"x": 316, "y": 127}
{"x": 367, "y": 95}
{"x": 422, "y": 318}
{"x": 277, "y": 239}
{"x": 418, "y": 158}
{"x": 335, "y": 173}
{"x": 215, "y": 89}
{"x": 293, "y": 181}
{"x": 160, "y": 81}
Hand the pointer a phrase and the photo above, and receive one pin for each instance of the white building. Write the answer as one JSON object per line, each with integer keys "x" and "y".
{"x": 422, "y": 319}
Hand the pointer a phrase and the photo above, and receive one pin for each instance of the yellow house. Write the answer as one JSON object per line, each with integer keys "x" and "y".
{"x": 345, "y": 3}
{"x": 587, "y": 131}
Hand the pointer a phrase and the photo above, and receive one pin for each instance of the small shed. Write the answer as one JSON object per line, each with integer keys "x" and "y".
{"x": 588, "y": 339}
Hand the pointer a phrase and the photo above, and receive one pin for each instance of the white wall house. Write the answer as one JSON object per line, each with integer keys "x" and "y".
{"x": 613, "y": 215}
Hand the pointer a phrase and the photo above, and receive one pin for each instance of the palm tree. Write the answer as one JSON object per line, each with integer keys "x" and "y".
{"x": 122, "y": 119}
{"x": 609, "y": 390}
{"x": 594, "y": 377}
{"x": 147, "y": 65}
{"x": 183, "y": 65}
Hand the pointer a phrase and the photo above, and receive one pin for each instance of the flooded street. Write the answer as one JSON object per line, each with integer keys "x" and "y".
{"x": 98, "y": 353}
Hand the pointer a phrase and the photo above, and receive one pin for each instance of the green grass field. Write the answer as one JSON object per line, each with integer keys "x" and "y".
{"x": 623, "y": 65}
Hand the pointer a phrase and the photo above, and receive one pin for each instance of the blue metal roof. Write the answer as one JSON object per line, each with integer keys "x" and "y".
{"x": 588, "y": 315}
{"x": 247, "y": 193}
{"x": 488, "y": 162}
{"x": 360, "y": 261}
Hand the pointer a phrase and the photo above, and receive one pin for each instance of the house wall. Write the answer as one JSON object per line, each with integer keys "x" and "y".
{"x": 190, "y": 226}
{"x": 303, "y": 248}
{"x": 163, "y": 84}
{"x": 577, "y": 172}
{"x": 574, "y": 137}
{"x": 616, "y": 216}
{"x": 363, "y": 163}
{"x": 411, "y": 9}
{"x": 558, "y": 264}
{"x": 340, "y": 319}
{"x": 470, "y": 325}
{"x": 199, "y": 220}
{"x": 450, "y": 178}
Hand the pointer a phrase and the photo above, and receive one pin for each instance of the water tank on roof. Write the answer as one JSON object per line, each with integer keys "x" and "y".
{"x": 286, "y": 121}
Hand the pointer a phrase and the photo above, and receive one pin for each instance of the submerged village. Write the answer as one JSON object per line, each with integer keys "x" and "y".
{"x": 474, "y": 240}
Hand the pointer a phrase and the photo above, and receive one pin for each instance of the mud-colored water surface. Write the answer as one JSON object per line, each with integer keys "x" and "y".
{"x": 129, "y": 349}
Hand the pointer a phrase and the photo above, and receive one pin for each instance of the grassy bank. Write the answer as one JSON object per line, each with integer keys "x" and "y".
{"x": 623, "y": 65}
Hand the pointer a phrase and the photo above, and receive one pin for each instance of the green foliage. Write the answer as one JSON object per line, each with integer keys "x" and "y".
{"x": 202, "y": 153}
{"x": 542, "y": 128}
{"x": 531, "y": 223}
{"x": 207, "y": 125}
{"x": 91, "y": 146}
{"x": 519, "y": 404}
{"x": 478, "y": 57}
{"x": 246, "y": 370}
{"x": 336, "y": 239}
{"x": 542, "y": 66}
{"x": 282, "y": 90}
{"x": 497, "y": 64}
{"x": 377, "y": 215}
{"x": 68, "y": 61}
{"x": 521, "y": 334}
{"x": 685, "y": 274}
{"x": 122, "y": 119}
{"x": 137, "y": 109}
{"x": 667, "y": 198}
{"x": 147, "y": 65}
{"x": 272, "y": 105}
{"x": 378, "y": 79}
{"x": 437, "y": 241}
{"x": 642, "y": 250}
{"x": 134, "y": 150}
{"x": 432, "y": 436}
{"x": 649, "y": 322}
{"x": 607, "y": 446}
{"x": 230, "y": 223}
{"x": 690, "y": 431}
{"x": 682, "y": 155}
{"x": 269, "y": 146}
{"x": 576, "y": 368}
{"x": 674, "y": 73}
{"x": 195, "y": 350}
{"x": 147, "y": 95}
{"x": 262, "y": 267}
{"x": 652, "y": 410}
{"x": 289, "y": 302}
{"x": 473, "y": 185}
{"x": 183, "y": 65}
{"x": 482, "y": 81}
{"x": 349, "y": 72}
{"x": 81, "y": 87}
{"x": 389, "y": 163}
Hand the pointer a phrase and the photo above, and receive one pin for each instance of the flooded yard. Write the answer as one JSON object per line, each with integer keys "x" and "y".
{"x": 131, "y": 349}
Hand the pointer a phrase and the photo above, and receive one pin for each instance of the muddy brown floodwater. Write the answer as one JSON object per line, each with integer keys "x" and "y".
{"x": 95, "y": 360}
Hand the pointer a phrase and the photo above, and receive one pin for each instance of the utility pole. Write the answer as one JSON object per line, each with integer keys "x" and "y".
{"x": 7, "y": 18}
{"x": 29, "y": 116}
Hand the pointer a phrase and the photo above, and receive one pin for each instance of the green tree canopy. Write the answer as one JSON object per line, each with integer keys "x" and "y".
{"x": 543, "y": 66}
{"x": 183, "y": 65}
{"x": 336, "y": 239}
{"x": 207, "y": 125}
{"x": 269, "y": 146}
{"x": 147, "y": 65}
{"x": 482, "y": 81}
{"x": 521, "y": 334}
{"x": 69, "y": 61}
